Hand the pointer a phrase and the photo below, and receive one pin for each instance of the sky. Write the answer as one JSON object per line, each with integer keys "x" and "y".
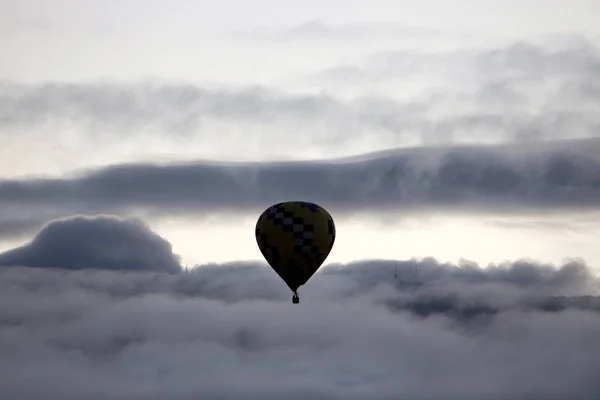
{"x": 457, "y": 142}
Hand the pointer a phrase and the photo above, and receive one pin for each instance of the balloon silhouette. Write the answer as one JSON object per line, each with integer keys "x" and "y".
{"x": 295, "y": 237}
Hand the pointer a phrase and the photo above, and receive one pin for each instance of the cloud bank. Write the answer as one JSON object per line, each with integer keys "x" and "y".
{"x": 87, "y": 311}
{"x": 520, "y": 91}
{"x": 533, "y": 178}
{"x": 518, "y": 331}
{"x": 104, "y": 242}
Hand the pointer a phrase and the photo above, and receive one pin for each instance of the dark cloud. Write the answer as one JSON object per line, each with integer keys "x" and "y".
{"x": 230, "y": 331}
{"x": 104, "y": 242}
{"x": 534, "y": 178}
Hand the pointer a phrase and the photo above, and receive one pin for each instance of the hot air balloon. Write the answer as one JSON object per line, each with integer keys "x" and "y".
{"x": 295, "y": 237}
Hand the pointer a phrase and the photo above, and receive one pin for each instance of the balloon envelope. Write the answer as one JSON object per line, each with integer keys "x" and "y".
{"x": 295, "y": 237}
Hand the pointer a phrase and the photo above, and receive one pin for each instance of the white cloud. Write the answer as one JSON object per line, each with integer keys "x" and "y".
{"x": 517, "y": 92}
{"x": 228, "y": 330}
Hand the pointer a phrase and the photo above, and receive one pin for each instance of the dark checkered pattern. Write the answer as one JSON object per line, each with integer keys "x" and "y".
{"x": 303, "y": 233}
{"x": 312, "y": 207}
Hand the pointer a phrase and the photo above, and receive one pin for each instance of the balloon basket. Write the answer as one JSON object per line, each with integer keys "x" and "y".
{"x": 295, "y": 299}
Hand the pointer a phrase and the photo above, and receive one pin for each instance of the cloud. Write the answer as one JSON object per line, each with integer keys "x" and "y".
{"x": 225, "y": 331}
{"x": 519, "y": 92}
{"x": 105, "y": 242}
{"x": 512, "y": 179}
{"x": 572, "y": 56}
{"x": 119, "y": 110}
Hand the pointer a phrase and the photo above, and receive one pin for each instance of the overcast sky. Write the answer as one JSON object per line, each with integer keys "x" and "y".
{"x": 456, "y": 137}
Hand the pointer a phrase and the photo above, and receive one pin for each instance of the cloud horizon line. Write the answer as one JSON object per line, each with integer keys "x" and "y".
{"x": 110, "y": 242}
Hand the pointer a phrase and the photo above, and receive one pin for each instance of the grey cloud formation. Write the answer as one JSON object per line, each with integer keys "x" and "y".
{"x": 523, "y": 91}
{"x": 184, "y": 109}
{"x": 230, "y": 331}
{"x": 104, "y": 242}
{"x": 513, "y": 179}
{"x": 560, "y": 55}
{"x": 573, "y": 56}
{"x": 517, "y": 63}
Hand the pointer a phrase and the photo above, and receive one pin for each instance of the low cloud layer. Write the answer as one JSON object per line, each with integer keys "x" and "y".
{"x": 100, "y": 242}
{"x": 532, "y": 178}
{"x": 439, "y": 331}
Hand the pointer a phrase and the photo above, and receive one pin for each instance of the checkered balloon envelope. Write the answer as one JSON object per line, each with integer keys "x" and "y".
{"x": 295, "y": 237}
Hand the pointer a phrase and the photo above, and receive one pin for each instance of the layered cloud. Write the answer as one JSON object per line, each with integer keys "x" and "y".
{"x": 513, "y": 179}
{"x": 98, "y": 317}
{"x": 226, "y": 331}
{"x": 521, "y": 91}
